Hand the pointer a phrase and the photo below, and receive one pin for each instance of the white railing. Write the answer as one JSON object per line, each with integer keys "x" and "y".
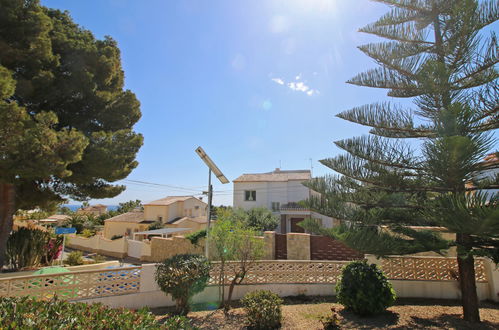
{"x": 74, "y": 285}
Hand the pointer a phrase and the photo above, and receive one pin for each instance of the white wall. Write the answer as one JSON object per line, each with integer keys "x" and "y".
{"x": 268, "y": 192}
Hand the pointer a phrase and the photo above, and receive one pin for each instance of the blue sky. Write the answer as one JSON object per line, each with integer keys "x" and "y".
{"x": 256, "y": 83}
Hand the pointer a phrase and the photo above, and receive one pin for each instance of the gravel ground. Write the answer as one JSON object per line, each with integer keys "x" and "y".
{"x": 303, "y": 313}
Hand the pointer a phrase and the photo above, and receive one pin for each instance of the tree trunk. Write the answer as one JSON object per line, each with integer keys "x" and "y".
{"x": 467, "y": 281}
{"x": 7, "y": 210}
{"x": 229, "y": 296}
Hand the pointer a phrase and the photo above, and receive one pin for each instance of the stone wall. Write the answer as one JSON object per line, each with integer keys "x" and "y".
{"x": 164, "y": 248}
{"x": 298, "y": 245}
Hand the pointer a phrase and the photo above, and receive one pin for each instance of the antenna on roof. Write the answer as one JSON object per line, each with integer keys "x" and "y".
{"x": 280, "y": 164}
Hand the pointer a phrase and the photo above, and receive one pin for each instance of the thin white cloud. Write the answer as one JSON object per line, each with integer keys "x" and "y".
{"x": 297, "y": 85}
{"x": 278, "y": 81}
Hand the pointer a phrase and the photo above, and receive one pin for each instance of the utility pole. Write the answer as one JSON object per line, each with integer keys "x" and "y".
{"x": 210, "y": 196}
{"x": 212, "y": 168}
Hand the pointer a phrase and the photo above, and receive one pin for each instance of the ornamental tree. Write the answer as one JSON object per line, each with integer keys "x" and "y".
{"x": 65, "y": 120}
{"x": 422, "y": 164}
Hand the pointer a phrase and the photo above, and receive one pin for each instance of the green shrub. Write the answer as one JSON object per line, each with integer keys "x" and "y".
{"x": 28, "y": 313}
{"x": 364, "y": 289}
{"x": 196, "y": 236}
{"x": 156, "y": 225}
{"x": 179, "y": 322}
{"x": 28, "y": 248}
{"x": 97, "y": 258}
{"x": 183, "y": 276}
{"x": 331, "y": 321}
{"x": 87, "y": 233}
{"x": 263, "y": 309}
{"x": 74, "y": 258}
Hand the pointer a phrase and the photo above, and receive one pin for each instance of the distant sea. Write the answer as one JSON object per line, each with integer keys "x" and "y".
{"x": 74, "y": 207}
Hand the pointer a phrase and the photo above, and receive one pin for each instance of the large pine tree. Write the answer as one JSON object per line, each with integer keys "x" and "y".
{"x": 422, "y": 164}
{"x": 66, "y": 123}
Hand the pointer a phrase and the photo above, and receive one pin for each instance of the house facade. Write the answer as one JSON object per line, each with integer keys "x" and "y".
{"x": 126, "y": 224}
{"x": 172, "y": 208}
{"x": 279, "y": 191}
{"x": 173, "y": 211}
{"x": 94, "y": 210}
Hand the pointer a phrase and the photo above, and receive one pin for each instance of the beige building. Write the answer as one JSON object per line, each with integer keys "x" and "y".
{"x": 194, "y": 224}
{"x": 172, "y": 209}
{"x": 126, "y": 224}
{"x": 95, "y": 210}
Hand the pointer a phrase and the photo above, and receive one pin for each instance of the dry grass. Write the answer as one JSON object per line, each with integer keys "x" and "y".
{"x": 304, "y": 313}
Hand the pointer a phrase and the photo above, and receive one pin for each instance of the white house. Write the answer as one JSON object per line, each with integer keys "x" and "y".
{"x": 279, "y": 191}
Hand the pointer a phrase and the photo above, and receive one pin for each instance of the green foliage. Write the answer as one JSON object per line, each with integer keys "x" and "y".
{"x": 129, "y": 206}
{"x": 263, "y": 309}
{"x": 183, "y": 276}
{"x": 442, "y": 56}
{"x": 156, "y": 225}
{"x": 231, "y": 240}
{"x": 331, "y": 321}
{"x": 87, "y": 233}
{"x": 29, "y": 248}
{"x": 364, "y": 289}
{"x": 28, "y": 313}
{"x": 74, "y": 258}
{"x": 196, "y": 236}
{"x": 179, "y": 322}
{"x": 259, "y": 218}
{"x": 97, "y": 258}
{"x": 66, "y": 120}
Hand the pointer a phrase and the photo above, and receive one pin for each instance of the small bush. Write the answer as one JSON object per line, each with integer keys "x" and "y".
{"x": 28, "y": 313}
{"x": 178, "y": 322}
{"x": 263, "y": 309}
{"x": 182, "y": 276}
{"x": 196, "y": 236}
{"x": 74, "y": 258}
{"x": 364, "y": 289}
{"x": 116, "y": 237}
{"x": 97, "y": 258}
{"x": 87, "y": 233}
{"x": 332, "y": 321}
{"x": 156, "y": 225}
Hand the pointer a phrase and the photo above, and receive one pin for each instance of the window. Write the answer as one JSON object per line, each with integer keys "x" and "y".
{"x": 160, "y": 218}
{"x": 250, "y": 195}
{"x": 276, "y": 206}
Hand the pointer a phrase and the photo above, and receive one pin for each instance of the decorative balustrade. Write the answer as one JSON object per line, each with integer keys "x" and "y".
{"x": 74, "y": 285}
{"x": 283, "y": 271}
{"x": 427, "y": 268}
{"x": 327, "y": 272}
{"x": 119, "y": 281}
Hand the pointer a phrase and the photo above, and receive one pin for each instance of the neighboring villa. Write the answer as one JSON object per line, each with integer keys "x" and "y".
{"x": 172, "y": 211}
{"x": 279, "y": 191}
{"x": 95, "y": 210}
{"x": 125, "y": 224}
